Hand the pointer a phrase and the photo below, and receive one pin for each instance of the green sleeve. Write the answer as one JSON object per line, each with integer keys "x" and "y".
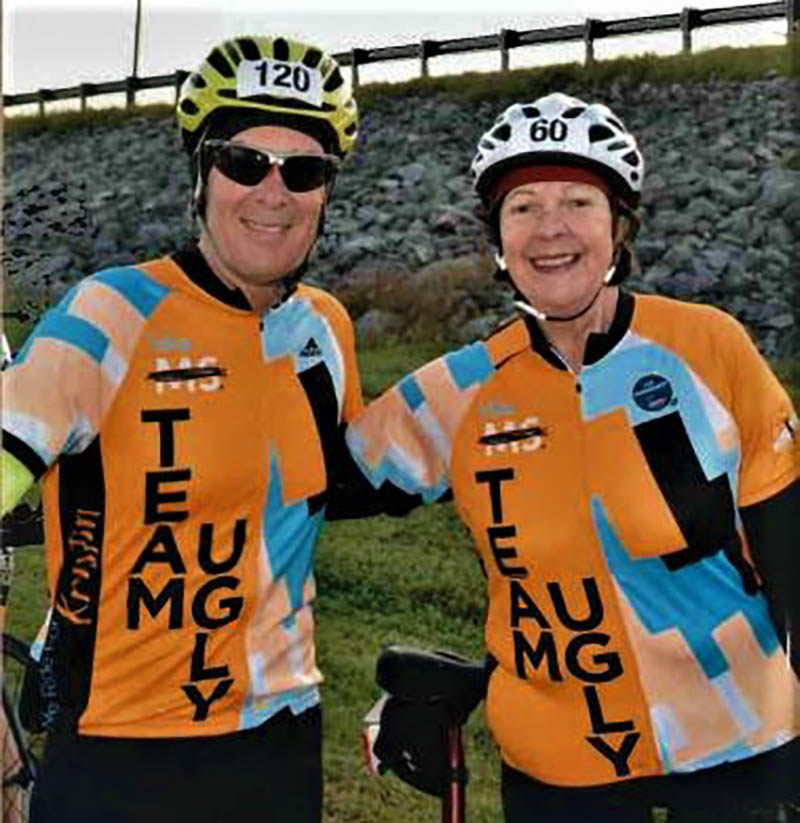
{"x": 15, "y": 480}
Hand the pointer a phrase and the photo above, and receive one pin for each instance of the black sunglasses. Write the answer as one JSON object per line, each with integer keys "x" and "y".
{"x": 248, "y": 166}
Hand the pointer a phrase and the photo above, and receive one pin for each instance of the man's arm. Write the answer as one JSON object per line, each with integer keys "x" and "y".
{"x": 351, "y": 495}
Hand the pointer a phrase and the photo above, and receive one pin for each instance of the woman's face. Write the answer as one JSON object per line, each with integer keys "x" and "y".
{"x": 557, "y": 243}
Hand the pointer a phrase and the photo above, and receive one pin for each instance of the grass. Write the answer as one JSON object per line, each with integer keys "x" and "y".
{"x": 725, "y": 63}
{"x": 412, "y": 580}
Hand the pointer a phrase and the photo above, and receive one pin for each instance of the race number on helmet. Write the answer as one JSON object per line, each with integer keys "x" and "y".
{"x": 560, "y": 130}
{"x": 290, "y": 82}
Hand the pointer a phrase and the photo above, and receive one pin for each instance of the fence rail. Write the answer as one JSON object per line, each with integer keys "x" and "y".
{"x": 687, "y": 21}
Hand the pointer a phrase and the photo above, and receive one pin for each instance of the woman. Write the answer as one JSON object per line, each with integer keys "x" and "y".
{"x": 628, "y": 468}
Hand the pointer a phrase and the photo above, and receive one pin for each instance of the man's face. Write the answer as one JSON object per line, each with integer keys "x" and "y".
{"x": 253, "y": 236}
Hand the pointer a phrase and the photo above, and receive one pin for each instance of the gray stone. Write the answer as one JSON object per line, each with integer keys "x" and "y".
{"x": 412, "y": 174}
{"x": 421, "y": 250}
{"x": 650, "y": 251}
{"x": 779, "y": 188}
{"x": 152, "y": 234}
{"x": 778, "y": 234}
{"x": 781, "y": 321}
{"x": 656, "y": 275}
{"x": 702, "y": 208}
{"x": 679, "y": 256}
{"x": 737, "y": 159}
{"x": 715, "y": 259}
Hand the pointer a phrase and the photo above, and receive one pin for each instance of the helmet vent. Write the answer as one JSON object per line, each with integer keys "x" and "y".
{"x": 486, "y": 144}
{"x": 249, "y": 48}
{"x": 351, "y": 129}
{"x": 198, "y": 82}
{"x": 575, "y": 111}
{"x": 233, "y": 55}
{"x": 597, "y": 133}
{"x": 187, "y": 107}
{"x": 311, "y": 58}
{"x": 616, "y": 123}
{"x": 618, "y": 145}
{"x": 230, "y": 94}
{"x": 502, "y": 132}
{"x": 531, "y": 111}
{"x": 334, "y": 81}
{"x": 219, "y": 62}
{"x": 280, "y": 49}
{"x": 631, "y": 158}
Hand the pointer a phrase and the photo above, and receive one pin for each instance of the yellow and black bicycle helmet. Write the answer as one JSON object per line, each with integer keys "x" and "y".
{"x": 269, "y": 80}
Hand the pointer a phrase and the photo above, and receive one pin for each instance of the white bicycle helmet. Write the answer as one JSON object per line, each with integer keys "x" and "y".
{"x": 565, "y": 131}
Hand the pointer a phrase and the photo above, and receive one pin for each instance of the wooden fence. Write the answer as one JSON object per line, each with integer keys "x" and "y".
{"x": 687, "y": 21}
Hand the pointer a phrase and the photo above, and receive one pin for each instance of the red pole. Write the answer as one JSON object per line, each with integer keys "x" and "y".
{"x": 454, "y": 802}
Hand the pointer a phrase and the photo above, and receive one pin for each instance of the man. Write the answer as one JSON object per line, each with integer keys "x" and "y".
{"x": 181, "y": 414}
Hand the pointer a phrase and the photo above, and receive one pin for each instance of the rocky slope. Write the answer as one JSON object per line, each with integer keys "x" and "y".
{"x": 721, "y": 201}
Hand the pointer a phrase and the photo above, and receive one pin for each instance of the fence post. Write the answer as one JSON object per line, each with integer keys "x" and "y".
{"x": 357, "y": 57}
{"x": 427, "y": 48}
{"x": 689, "y": 19}
{"x": 41, "y": 96}
{"x": 792, "y": 17}
{"x": 130, "y": 92}
{"x": 84, "y": 94}
{"x": 507, "y": 39}
{"x": 180, "y": 77}
{"x": 591, "y": 30}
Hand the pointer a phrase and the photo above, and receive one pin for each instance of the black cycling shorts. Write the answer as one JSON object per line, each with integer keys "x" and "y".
{"x": 747, "y": 791}
{"x": 270, "y": 774}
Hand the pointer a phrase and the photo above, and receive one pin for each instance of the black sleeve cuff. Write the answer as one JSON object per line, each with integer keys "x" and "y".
{"x": 772, "y": 527}
{"x": 24, "y": 453}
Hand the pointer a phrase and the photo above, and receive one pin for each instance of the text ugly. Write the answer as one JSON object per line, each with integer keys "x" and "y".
{"x": 215, "y": 602}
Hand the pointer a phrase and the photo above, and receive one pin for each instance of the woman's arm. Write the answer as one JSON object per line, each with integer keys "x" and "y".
{"x": 772, "y": 528}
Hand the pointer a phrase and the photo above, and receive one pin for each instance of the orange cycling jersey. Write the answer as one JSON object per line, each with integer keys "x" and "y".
{"x": 624, "y": 612}
{"x": 182, "y": 440}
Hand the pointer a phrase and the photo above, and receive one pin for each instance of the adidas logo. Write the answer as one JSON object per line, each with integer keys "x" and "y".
{"x": 311, "y": 349}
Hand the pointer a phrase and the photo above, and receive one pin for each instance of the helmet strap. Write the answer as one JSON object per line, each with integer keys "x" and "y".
{"x": 525, "y": 305}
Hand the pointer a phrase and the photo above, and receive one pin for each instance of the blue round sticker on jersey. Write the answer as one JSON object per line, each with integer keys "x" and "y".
{"x": 652, "y": 392}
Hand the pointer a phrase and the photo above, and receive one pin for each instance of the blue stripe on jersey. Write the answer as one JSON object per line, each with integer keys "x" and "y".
{"x": 67, "y": 328}
{"x": 258, "y": 710}
{"x": 738, "y": 751}
{"x": 136, "y": 286}
{"x": 695, "y": 599}
{"x": 395, "y": 468}
{"x": 290, "y": 537}
{"x": 469, "y": 365}
{"x": 609, "y": 384}
{"x": 296, "y": 329}
{"x": 412, "y": 392}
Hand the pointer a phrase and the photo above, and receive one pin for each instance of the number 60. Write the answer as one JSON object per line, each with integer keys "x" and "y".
{"x": 543, "y": 129}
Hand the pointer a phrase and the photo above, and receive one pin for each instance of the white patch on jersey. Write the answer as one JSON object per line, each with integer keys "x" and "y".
{"x": 736, "y": 703}
{"x": 36, "y": 433}
{"x": 279, "y": 78}
{"x": 787, "y": 436}
{"x": 114, "y": 367}
{"x": 668, "y": 730}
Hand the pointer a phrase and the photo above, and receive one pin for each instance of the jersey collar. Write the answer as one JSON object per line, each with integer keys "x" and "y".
{"x": 598, "y": 344}
{"x": 196, "y": 268}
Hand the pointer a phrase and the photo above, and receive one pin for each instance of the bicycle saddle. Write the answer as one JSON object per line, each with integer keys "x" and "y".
{"x": 419, "y": 676}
